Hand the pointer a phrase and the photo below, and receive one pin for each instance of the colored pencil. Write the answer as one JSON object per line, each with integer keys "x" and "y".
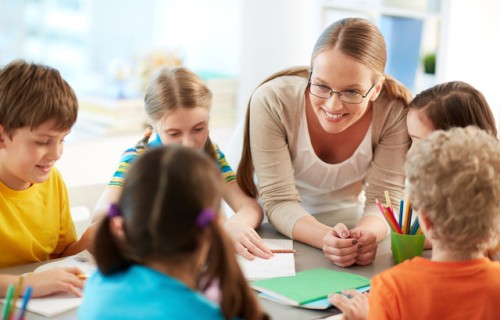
{"x": 387, "y": 199}
{"x": 388, "y": 216}
{"x": 17, "y": 292}
{"x": 401, "y": 207}
{"x": 407, "y": 215}
{"x": 26, "y": 298}
{"x": 8, "y": 298}
{"x": 283, "y": 251}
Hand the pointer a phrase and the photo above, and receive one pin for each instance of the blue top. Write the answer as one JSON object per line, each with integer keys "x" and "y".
{"x": 143, "y": 293}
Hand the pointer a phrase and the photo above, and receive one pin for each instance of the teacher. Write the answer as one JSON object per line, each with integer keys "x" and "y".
{"x": 317, "y": 137}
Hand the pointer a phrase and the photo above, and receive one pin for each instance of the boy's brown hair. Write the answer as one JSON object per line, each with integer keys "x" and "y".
{"x": 31, "y": 94}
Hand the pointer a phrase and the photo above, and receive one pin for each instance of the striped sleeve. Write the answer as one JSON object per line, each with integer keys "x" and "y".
{"x": 224, "y": 167}
{"x": 125, "y": 162}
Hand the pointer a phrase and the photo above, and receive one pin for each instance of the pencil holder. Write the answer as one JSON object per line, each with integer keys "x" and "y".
{"x": 406, "y": 246}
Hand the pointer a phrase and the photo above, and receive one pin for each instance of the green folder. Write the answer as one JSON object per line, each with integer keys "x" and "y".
{"x": 310, "y": 285}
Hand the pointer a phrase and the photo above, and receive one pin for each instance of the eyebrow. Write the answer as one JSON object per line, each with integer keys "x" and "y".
{"x": 356, "y": 85}
{"x": 197, "y": 124}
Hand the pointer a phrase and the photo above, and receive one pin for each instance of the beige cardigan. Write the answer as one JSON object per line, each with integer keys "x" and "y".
{"x": 275, "y": 112}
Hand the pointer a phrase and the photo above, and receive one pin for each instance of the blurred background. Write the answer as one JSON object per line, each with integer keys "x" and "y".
{"x": 107, "y": 50}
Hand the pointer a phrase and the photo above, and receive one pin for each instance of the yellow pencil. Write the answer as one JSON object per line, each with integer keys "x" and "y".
{"x": 15, "y": 296}
{"x": 407, "y": 216}
{"x": 83, "y": 276}
{"x": 387, "y": 199}
{"x": 283, "y": 251}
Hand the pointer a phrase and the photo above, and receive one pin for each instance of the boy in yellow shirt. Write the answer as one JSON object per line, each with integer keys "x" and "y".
{"x": 37, "y": 110}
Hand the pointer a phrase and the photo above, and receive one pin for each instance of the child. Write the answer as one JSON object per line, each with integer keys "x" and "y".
{"x": 448, "y": 105}
{"x": 161, "y": 244}
{"x": 454, "y": 184}
{"x": 177, "y": 103}
{"x": 37, "y": 110}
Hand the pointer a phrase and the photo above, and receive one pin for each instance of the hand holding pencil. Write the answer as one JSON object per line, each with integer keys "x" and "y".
{"x": 55, "y": 280}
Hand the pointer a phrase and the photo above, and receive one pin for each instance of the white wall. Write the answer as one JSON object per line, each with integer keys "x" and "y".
{"x": 205, "y": 33}
{"x": 472, "y": 45}
{"x": 274, "y": 35}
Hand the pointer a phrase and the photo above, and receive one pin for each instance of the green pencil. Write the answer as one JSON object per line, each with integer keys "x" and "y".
{"x": 8, "y": 298}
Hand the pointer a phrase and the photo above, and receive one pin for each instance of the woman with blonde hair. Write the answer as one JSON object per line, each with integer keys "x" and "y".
{"x": 316, "y": 137}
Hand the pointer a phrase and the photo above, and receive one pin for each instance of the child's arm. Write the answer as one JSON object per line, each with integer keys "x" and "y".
{"x": 84, "y": 243}
{"x": 47, "y": 282}
{"x": 241, "y": 226}
{"x": 110, "y": 195}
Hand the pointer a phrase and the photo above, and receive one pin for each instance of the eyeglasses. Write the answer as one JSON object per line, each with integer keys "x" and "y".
{"x": 324, "y": 92}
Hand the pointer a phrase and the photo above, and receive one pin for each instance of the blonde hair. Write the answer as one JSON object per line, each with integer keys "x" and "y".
{"x": 170, "y": 89}
{"x": 362, "y": 41}
{"x": 453, "y": 175}
{"x": 358, "y": 39}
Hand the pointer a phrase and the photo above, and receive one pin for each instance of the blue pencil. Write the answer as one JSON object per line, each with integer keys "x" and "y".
{"x": 414, "y": 227}
{"x": 401, "y": 205}
{"x": 26, "y": 298}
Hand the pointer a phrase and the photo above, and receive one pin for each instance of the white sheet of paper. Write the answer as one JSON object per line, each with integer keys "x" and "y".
{"x": 280, "y": 265}
{"x": 59, "y": 303}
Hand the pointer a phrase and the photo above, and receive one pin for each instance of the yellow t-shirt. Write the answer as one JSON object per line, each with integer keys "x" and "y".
{"x": 35, "y": 223}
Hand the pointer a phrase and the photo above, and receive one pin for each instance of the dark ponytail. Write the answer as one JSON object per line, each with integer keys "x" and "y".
{"x": 107, "y": 251}
{"x": 238, "y": 300}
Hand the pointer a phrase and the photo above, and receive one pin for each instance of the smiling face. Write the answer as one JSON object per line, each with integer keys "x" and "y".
{"x": 419, "y": 126}
{"x": 336, "y": 71}
{"x": 186, "y": 126}
{"x": 28, "y": 155}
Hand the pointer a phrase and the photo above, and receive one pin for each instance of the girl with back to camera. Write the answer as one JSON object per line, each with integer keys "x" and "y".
{"x": 177, "y": 103}
{"x": 320, "y": 135}
{"x": 161, "y": 244}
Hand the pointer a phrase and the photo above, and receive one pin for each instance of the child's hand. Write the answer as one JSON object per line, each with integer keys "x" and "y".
{"x": 367, "y": 246}
{"x": 55, "y": 281}
{"x": 339, "y": 247}
{"x": 246, "y": 240}
{"x": 353, "y": 304}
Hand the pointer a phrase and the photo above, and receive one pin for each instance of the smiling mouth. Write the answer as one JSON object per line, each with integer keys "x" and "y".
{"x": 334, "y": 116}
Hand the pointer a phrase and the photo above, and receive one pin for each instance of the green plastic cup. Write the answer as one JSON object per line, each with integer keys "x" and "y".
{"x": 406, "y": 246}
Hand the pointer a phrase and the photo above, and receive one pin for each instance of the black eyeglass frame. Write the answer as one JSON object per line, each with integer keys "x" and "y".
{"x": 309, "y": 84}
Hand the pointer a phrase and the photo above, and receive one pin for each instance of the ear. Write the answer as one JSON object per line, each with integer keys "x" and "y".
{"x": 425, "y": 222}
{"x": 116, "y": 226}
{"x": 377, "y": 89}
{"x": 3, "y": 136}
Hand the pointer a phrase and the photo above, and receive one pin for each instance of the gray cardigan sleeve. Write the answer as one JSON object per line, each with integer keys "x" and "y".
{"x": 390, "y": 141}
{"x": 269, "y": 139}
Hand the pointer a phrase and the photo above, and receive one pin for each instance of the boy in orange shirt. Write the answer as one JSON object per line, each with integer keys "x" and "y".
{"x": 37, "y": 110}
{"x": 454, "y": 185}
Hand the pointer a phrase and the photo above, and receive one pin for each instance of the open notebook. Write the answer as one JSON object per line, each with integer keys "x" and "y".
{"x": 280, "y": 265}
{"x": 53, "y": 305}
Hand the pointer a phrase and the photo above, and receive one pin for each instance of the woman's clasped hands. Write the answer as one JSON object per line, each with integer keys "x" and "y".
{"x": 344, "y": 247}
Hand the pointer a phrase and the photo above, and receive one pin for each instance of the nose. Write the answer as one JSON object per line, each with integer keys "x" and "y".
{"x": 188, "y": 141}
{"x": 334, "y": 102}
{"x": 55, "y": 151}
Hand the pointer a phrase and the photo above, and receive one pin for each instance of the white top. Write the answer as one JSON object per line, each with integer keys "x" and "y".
{"x": 325, "y": 187}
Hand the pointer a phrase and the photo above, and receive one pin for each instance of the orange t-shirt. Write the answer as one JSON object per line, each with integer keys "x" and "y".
{"x": 425, "y": 289}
